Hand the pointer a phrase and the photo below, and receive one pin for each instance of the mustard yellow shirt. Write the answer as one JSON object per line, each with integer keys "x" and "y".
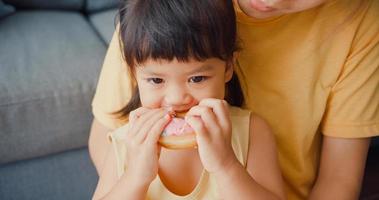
{"x": 307, "y": 74}
{"x": 206, "y": 188}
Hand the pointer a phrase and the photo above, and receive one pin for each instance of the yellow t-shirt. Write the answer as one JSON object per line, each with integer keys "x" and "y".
{"x": 206, "y": 188}
{"x": 307, "y": 74}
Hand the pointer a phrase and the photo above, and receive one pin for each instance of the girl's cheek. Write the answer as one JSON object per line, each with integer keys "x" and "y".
{"x": 151, "y": 99}
{"x": 209, "y": 93}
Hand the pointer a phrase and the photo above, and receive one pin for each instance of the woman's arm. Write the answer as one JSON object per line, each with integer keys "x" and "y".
{"x": 262, "y": 179}
{"x": 341, "y": 168}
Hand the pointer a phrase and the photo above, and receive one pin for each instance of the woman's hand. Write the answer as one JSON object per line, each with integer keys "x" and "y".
{"x": 211, "y": 122}
{"x": 145, "y": 128}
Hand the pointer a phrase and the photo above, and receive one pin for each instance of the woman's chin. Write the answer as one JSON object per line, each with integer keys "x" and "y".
{"x": 262, "y": 6}
{"x": 264, "y": 15}
{"x": 259, "y": 9}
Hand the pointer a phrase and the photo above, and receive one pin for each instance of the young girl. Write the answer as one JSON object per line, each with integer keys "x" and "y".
{"x": 180, "y": 54}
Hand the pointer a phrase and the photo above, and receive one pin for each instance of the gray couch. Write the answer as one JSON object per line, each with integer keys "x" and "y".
{"x": 51, "y": 54}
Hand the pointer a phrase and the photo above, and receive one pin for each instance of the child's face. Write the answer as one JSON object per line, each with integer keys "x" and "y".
{"x": 270, "y": 8}
{"x": 181, "y": 85}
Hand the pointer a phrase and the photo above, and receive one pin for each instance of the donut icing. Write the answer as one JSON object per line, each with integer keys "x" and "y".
{"x": 178, "y": 134}
{"x": 177, "y": 126}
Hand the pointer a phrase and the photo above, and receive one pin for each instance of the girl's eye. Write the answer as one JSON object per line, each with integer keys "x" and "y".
{"x": 197, "y": 79}
{"x": 155, "y": 80}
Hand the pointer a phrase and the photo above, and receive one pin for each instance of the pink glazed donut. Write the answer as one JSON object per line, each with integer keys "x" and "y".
{"x": 178, "y": 134}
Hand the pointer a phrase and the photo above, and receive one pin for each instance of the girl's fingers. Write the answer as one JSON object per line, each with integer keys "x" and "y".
{"x": 141, "y": 120}
{"x": 148, "y": 124}
{"x": 197, "y": 124}
{"x": 221, "y": 110}
{"x": 208, "y": 117}
{"x": 135, "y": 114}
{"x": 157, "y": 129}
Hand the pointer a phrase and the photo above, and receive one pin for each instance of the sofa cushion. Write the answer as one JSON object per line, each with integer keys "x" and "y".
{"x": 50, "y": 62}
{"x": 48, "y": 4}
{"x": 375, "y": 142}
{"x": 97, "y": 5}
{"x": 64, "y": 176}
{"x": 104, "y": 23}
{"x": 5, "y": 9}
{"x": 371, "y": 176}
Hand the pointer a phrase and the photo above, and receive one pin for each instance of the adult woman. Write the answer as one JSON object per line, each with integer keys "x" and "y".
{"x": 308, "y": 67}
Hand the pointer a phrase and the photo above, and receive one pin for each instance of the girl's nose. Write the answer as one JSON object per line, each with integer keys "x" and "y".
{"x": 177, "y": 96}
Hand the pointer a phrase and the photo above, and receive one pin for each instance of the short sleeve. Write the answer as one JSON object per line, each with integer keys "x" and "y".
{"x": 353, "y": 106}
{"x": 114, "y": 86}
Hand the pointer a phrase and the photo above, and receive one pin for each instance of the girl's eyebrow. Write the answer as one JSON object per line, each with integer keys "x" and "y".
{"x": 202, "y": 68}
{"x": 151, "y": 73}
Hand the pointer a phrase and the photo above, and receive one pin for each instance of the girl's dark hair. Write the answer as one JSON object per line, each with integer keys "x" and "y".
{"x": 178, "y": 29}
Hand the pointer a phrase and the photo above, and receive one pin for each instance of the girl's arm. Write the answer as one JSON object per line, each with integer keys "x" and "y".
{"x": 262, "y": 179}
{"x": 142, "y": 153}
{"x": 341, "y": 168}
{"x": 109, "y": 187}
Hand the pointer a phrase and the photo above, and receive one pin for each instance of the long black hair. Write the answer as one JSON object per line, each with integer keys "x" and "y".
{"x": 178, "y": 29}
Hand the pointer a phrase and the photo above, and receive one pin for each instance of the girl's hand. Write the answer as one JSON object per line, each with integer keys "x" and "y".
{"x": 145, "y": 128}
{"x": 211, "y": 122}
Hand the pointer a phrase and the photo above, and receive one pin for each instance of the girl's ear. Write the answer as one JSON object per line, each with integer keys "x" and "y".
{"x": 228, "y": 73}
{"x": 229, "y": 68}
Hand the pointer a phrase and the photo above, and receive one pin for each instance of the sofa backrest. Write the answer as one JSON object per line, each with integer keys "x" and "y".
{"x": 87, "y": 6}
{"x": 97, "y": 5}
{"x": 47, "y": 4}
